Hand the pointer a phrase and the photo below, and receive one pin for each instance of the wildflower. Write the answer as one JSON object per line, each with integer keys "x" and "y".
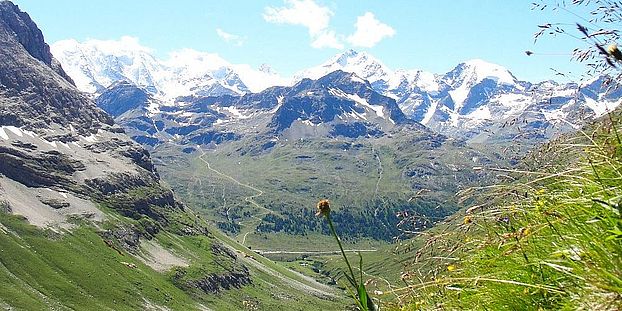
{"x": 451, "y": 268}
{"x": 363, "y": 299}
{"x": 323, "y": 208}
{"x": 615, "y": 52}
{"x": 523, "y": 232}
{"x": 467, "y": 220}
{"x": 541, "y": 192}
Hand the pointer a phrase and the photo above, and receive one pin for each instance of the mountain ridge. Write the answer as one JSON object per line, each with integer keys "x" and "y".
{"x": 474, "y": 98}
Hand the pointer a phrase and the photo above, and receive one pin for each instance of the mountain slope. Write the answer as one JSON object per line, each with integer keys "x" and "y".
{"x": 553, "y": 213}
{"x": 85, "y": 222}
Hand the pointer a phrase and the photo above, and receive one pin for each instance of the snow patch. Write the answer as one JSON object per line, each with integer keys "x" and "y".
{"x": 480, "y": 114}
{"x": 91, "y": 138}
{"x": 376, "y": 108}
{"x": 3, "y": 134}
{"x": 601, "y": 108}
{"x": 15, "y": 130}
{"x": 236, "y": 112}
{"x": 429, "y": 113}
{"x": 459, "y": 95}
{"x": 556, "y": 115}
{"x": 153, "y": 108}
{"x": 51, "y": 143}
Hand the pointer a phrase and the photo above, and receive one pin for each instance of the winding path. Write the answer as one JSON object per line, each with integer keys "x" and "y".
{"x": 249, "y": 199}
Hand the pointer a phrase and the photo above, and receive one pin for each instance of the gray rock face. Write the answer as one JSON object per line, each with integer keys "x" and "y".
{"x": 54, "y": 137}
{"x": 35, "y": 93}
{"x": 214, "y": 283}
{"x": 29, "y": 36}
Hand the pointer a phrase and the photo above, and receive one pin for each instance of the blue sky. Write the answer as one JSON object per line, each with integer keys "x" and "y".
{"x": 291, "y": 35}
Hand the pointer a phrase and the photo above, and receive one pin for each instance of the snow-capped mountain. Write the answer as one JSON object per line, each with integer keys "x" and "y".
{"x": 473, "y": 98}
{"x": 361, "y": 63}
{"x": 339, "y": 104}
{"x": 97, "y": 64}
{"x": 477, "y": 96}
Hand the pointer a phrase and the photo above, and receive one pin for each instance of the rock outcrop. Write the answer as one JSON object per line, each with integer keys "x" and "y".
{"x": 53, "y": 136}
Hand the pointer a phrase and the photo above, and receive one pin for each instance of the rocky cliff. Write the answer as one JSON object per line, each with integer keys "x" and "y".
{"x": 53, "y": 137}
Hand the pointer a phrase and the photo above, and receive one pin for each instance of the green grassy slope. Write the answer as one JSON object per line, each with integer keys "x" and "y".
{"x": 548, "y": 239}
{"x": 77, "y": 270}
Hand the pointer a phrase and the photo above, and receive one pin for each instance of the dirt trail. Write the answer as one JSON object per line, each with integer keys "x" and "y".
{"x": 268, "y": 252}
{"x": 251, "y": 224}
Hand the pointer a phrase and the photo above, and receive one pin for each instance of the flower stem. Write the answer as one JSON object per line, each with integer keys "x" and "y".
{"x": 332, "y": 229}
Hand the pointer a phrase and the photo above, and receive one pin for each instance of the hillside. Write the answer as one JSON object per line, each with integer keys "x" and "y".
{"x": 85, "y": 222}
{"x": 547, "y": 239}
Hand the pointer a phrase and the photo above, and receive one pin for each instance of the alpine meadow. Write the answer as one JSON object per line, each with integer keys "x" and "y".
{"x": 310, "y": 155}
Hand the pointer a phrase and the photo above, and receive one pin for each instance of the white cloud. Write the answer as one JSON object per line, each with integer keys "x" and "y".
{"x": 309, "y": 14}
{"x": 369, "y": 31}
{"x": 230, "y": 38}
{"x": 327, "y": 39}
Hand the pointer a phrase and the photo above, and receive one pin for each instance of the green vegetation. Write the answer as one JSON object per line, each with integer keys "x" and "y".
{"x": 549, "y": 240}
{"x": 377, "y": 182}
{"x": 78, "y": 269}
{"x": 75, "y": 270}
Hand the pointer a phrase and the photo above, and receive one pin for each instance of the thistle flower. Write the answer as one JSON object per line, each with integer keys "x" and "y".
{"x": 323, "y": 208}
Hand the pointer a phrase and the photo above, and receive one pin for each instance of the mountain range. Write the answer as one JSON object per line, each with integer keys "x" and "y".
{"x": 473, "y": 101}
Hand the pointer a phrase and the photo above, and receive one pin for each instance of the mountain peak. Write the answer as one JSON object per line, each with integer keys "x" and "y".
{"x": 363, "y": 64}
{"x": 479, "y": 70}
{"x": 265, "y": 68}
{"x": 344, "y": 58}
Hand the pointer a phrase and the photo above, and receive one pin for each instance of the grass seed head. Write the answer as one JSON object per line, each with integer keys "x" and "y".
{"x": 615, "y": 52}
